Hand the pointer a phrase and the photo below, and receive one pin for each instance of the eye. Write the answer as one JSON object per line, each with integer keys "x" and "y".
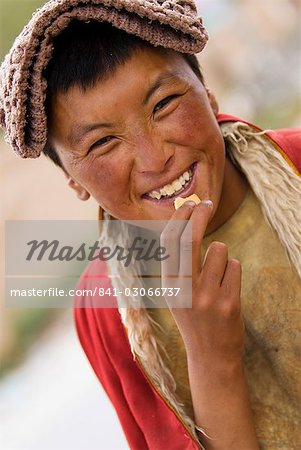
{"x": 101, "y": 142}
{"x": 164, "y": 102}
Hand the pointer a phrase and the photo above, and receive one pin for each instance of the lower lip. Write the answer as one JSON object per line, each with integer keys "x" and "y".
{"x": 185, "y": 192}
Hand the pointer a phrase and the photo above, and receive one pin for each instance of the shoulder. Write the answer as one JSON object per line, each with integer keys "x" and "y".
{"x": 287, "y": 141}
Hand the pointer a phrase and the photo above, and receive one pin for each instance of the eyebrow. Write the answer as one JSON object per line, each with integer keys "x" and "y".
{"x": 164, "y": 78}
{"x": 79, "y": 131}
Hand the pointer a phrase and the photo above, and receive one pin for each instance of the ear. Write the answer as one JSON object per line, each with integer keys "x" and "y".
{"x": 213, "y": 101}
{"x": 81, "y": 192}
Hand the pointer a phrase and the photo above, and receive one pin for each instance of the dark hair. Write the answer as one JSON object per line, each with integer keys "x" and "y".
{"x": 86, "y": 52}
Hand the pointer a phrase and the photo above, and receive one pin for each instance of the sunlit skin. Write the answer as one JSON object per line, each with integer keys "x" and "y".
{"x": 141, "y": 144}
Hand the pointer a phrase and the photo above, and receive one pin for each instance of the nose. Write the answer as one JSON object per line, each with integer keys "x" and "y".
{"x": 152, "y": 154}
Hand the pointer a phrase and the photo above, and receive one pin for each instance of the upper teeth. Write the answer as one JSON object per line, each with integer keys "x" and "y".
{"x": 174, "y": 186}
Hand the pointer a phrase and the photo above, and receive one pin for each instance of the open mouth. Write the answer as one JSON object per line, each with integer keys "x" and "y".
{"x": 180, "y": 186}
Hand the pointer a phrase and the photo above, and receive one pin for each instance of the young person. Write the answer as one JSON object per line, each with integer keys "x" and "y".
{"x": 111, "y": 92}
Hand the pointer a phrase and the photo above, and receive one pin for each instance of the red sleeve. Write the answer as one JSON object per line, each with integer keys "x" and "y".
{"x": 92, "y": 342}
{"x": 146, "y": 419}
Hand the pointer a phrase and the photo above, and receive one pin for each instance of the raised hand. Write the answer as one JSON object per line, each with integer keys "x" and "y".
{"x": 211, "y": 326}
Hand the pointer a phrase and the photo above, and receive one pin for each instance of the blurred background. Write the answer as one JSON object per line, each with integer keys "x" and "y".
{"x": 49, "y": 396}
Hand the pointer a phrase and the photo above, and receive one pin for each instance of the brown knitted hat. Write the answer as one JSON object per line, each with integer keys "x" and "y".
{"x": 171, "y": 24}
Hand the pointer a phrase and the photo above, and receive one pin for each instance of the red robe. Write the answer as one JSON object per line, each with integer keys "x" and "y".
{"x": 147, "y": 419}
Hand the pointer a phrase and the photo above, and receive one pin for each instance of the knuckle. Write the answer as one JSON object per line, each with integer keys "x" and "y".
{"x": 227, "y": 288}
{"x": 170, "y": 234}
{"x": 204, "y": 304}
{"x": 186, "y": 243}
{"x": 230, "y": 310}
{"x": 166, "y": 240}
{"x": 208, "y": 279}
{"x": 172, "y": 229}
{"x": 211, "y": 276}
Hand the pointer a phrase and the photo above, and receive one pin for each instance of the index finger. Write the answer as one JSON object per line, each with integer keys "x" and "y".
{"x": 170, "y": 238}
{"x": 191, "y": 239}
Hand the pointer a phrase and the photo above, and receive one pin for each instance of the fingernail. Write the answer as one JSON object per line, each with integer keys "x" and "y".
{"x": 190, "y": 203}
{"x": 207, "y": 203}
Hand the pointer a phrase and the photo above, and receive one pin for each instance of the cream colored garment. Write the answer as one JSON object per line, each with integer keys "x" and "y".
{"x": 277, "y": 188}
{"x": 271, "y": 294}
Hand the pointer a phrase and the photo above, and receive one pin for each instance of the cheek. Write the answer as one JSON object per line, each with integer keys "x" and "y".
{"x": 101, "y": 175}
{"x": 200, "y": 131}
{"x": 106, "y": 179}
{"x": 193, "y": 124}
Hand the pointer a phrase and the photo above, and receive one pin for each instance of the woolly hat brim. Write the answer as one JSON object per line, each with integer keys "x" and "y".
{"x": 169, "y": 24}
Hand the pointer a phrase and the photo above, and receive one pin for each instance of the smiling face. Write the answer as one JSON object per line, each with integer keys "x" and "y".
{"x": 141, "y": 137}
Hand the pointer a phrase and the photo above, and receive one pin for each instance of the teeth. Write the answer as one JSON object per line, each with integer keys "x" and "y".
{"x": 175, "y": 186}
{"x": 155, "y": 194}
{"x": 186, "y": 176}
{"x": 182, "y": 180}
{"x": 169, "y": 189}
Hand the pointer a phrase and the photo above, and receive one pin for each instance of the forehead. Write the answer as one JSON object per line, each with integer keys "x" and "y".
{"x": 132, "y": 84}
{"x": 141, "y": 68}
